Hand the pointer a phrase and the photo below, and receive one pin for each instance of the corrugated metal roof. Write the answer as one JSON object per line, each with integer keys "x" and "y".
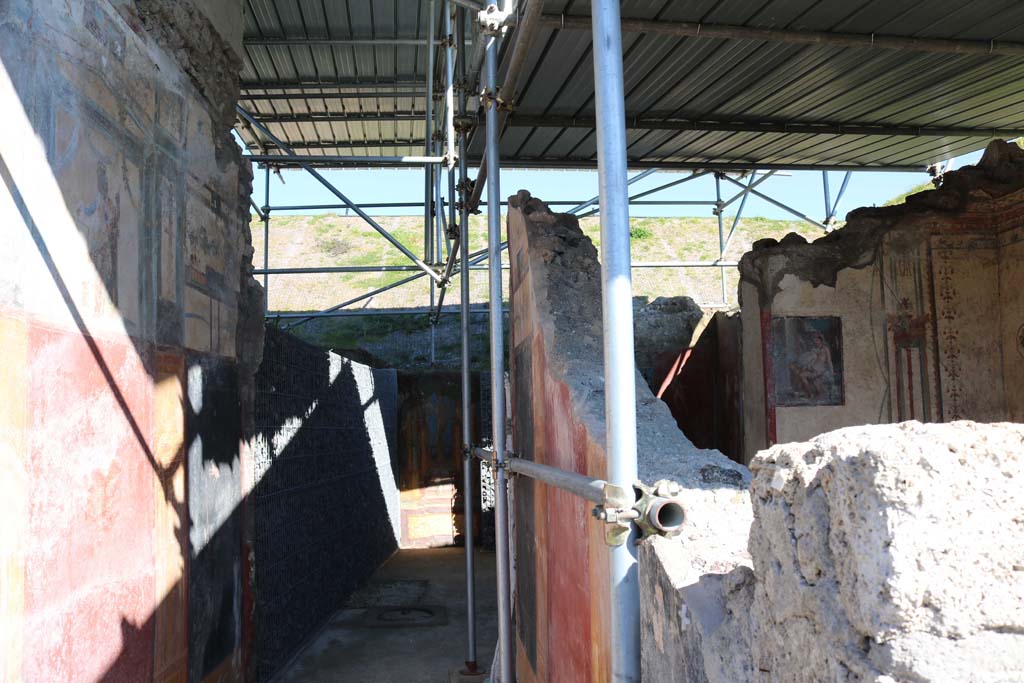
{"x": 741, "y": 82}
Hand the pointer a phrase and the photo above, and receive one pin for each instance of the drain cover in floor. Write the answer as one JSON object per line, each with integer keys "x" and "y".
{"x": 403, "y": 617}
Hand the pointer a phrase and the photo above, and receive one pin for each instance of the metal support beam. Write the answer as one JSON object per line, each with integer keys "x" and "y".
{"x": 751, "y": 184}
{"x": 468, "y": 497}
{"x": 777, "y": 203}
{"x": 617, "y": 327}
{"x": 306, "y": 317}
{"x": 354, "y": 95}
{"x": 739, "y": 212}
{"x": 506, "y": 96}
{"x": 839, "y": 197}
{"x": 340, "y": 42}
{"x": 429, "y": 197}
{"x": 476, "y": 310}
{"x": 329, "y": 161}
{"x": 719, "y": 210}
{"x": 325, "y": 117}
{"x": 647, "y": 193}
{"x": 319, "y": 145}
{"x": 300, "y": 85}
{"x": 266, "y": 238}
{"x": 337, "y": 193}
{"x": 506, "y": 643}
{"x": 298, "y": 160}
{"x": 653, "y": 122}
{"x": 870, "y": 41}
{"x": 595, "y": 198}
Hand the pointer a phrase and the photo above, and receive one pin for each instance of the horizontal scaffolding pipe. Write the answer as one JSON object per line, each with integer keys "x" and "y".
{"x": 360, "y": 94}
{"x": 475, "y": 310}
{"x": 638, "y": 122}
{"x": 683, "y": 29}
{"x": 580, "y": 485}
{"x": 338, "y": 194}
{"x": 330, "y": 42}
{"x": 304, "y": 159}
{"x": 340, "y": 117}
{"x": 684, "y": 264}
{"x": 638, "y": 164}
{"x": 410, "y": 205}
{"x": 473, "y": 266}
{"x": 334, "y": 85}
{"x": 349, "y": 144}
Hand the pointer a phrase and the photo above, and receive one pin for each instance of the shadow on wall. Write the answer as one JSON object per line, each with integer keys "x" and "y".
{"x": 325, "y": 499}
{"x": 700, "y": 383}
{"x": 131, "y": 499}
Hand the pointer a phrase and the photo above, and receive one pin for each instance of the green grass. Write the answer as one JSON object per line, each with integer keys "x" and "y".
{"x": 334, "y": 240}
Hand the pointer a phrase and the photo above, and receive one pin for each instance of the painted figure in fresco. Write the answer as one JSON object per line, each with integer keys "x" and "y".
{"x": 812, "y": 373}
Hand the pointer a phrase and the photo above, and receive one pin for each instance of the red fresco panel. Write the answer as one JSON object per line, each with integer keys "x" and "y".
{"x": 89, "y": 585}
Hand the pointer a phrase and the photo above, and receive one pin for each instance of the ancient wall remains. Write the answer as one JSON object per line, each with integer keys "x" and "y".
{"x": 907, "y": 312}
{"x": 557, "y": 411}
{"x": 126, "y": 313}
{"x": 866, "y": 547}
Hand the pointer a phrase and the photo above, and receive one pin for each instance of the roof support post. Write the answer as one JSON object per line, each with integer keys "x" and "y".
{"x": 266, "y": 238}
{"x": 468, "y": 463}
{"x": 506, "y": 643}
{"x": 617, "y": 327}
{"x": 337, "y": 193}
{"x": 429, "y": 196}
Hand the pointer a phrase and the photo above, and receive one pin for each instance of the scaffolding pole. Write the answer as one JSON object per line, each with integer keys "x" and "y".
{"x": 428, "y": 171}
{"x": 266, "y": 239}
{"x": 617, "y": 327}
{"x": 506, "y": 653}
{"x": 337, "y": 193}
{"x": 719, "y": 210}
{"x": 468, "y": 463}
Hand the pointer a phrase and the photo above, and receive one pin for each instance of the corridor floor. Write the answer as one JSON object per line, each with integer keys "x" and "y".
{"x": 407, "y": 624}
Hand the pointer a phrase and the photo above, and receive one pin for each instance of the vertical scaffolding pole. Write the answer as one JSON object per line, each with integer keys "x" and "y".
{"x": 506, "y": 654}
{"x": 429, "y": 169}
{"x": 266, "y": 238}
{"x": 468, "y": 462}
{"x": 617, "y": 326}
{"x": 719, "y": 210}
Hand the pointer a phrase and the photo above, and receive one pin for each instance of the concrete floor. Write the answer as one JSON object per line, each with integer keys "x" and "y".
{"x": 363, "y": 642}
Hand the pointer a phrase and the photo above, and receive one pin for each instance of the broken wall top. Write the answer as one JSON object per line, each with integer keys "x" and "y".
{"x": 985, "y": 198}
{"x": 565, "y": 277}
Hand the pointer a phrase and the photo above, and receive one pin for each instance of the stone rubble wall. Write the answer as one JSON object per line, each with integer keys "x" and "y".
{"x": 889, "y": 554}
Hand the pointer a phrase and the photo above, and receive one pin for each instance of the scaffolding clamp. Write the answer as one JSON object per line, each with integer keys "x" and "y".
{"x": 657, "y": 511}
{"x": 492, "y": 21}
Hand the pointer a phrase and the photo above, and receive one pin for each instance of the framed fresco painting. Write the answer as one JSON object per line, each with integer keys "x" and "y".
{"x": 807, "y": 361}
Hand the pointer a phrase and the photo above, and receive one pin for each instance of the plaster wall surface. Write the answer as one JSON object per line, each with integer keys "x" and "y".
{"x": 123, "y": 287}
{"x": 557, "y": 412}
{"x": 923, "y": 300}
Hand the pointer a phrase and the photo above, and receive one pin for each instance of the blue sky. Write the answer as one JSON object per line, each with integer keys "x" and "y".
{"x": 800, "y": 189}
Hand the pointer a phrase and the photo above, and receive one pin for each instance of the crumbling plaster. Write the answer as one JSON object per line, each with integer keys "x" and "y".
{"x": 124, "y": 290}
{"x": 928, "y": 297}
{"x": 558, "y": 419}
